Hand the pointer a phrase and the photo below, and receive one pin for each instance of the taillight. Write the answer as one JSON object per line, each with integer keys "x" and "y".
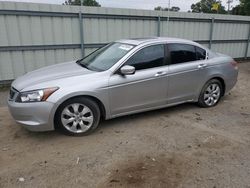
{"x": 234, "y": 64}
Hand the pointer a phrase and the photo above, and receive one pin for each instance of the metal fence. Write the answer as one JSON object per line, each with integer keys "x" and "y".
{"x": 36, "y": 35}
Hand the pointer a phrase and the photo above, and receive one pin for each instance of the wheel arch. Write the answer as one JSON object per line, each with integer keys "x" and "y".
{"x": 222, "y": 81}
{"x": 100, "y": 104}
{"x": 217, "y": 77}
{"x": 213, "y": 79}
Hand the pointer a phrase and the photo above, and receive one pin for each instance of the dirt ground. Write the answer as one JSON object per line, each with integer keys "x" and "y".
{"x": 182, "y": 146}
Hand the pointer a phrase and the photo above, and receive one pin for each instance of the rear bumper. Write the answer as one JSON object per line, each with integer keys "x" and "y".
{"x": 33, "y": 116}
{"x": 232, "y": 80}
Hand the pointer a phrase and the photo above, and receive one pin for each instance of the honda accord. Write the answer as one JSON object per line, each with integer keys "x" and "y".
{"x": 121, "y": 78}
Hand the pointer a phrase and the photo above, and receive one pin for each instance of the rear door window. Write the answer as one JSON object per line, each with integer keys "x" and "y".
{"x": 180, "y": 53}
{"x": 200, "y": 53}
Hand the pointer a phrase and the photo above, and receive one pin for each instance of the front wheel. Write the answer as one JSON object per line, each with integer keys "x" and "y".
{"x": 210, "y": 94}
{"x": 78, "y": 116}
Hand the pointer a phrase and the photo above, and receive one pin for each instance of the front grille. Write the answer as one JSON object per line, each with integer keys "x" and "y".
{"x": 13, "y": 94}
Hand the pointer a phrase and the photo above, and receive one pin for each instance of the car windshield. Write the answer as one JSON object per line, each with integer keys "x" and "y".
{"x": 105, "y": 57}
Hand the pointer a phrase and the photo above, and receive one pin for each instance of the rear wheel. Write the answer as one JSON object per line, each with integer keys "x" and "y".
{"x": 210, "y": 94}
{"x": 78, "y": 116}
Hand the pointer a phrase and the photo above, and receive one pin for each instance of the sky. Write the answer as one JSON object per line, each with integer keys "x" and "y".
{"x": 135, "y": 4}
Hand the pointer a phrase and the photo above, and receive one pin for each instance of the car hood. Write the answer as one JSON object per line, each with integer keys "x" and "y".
{"x": 49, "y": 73}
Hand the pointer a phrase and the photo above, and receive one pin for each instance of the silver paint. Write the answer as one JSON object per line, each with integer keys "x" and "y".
{"x": 121, "y": 94}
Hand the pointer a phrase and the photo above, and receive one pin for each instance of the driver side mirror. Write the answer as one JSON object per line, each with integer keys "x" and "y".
{"x": 127, "y": 70}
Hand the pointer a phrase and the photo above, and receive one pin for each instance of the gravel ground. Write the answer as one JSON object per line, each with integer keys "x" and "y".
{"x": 182, "y": 146}
{"x": 4, "y": 92}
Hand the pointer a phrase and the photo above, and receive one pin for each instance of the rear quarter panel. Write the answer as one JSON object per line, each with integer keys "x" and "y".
{"x": 219, "y": 66}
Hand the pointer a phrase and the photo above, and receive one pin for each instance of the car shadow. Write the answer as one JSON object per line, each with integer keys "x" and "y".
{"x": 120, "y": 121}
{"x": 168, "y": 111}
{"x": 107, "y": 124}
{"x": 22, "y": 132}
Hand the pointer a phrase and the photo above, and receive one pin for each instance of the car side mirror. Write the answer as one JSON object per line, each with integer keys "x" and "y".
{"x": 127, "y": 70}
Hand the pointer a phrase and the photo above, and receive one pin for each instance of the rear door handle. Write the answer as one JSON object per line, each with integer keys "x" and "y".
{"x": 160, "y": 73}
{"x": 200, "y": 66}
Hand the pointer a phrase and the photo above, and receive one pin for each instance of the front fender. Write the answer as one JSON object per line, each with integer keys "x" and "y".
{"x": 101, "y": 96}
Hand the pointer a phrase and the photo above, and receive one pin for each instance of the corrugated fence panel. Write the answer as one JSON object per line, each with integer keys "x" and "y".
{"x": 37, "y": 35}
{"x": 229, "y": 31}
{"x": 103, "y": 30}
{"x": 6, "y": 66}
{"x": 248, "y": 52}
{"x": 17, "y": 63}
{"x": 187, "y": 30}
{"x": 236, "y": 50}
{"x": 90, "y": 50}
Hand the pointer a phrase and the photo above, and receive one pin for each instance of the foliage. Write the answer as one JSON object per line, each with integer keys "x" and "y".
{"x": 242, "y": 9}
{"x": 85, "y": 3}
{"x": 175, "y": 9}
{"x": 205, "y": 6}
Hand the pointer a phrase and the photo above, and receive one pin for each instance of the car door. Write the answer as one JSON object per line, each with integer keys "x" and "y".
{"x": 146, "y": 88}
{"x": 186, "y": 70}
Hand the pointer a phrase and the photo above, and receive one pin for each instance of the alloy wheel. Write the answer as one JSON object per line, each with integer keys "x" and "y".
{"x": 212, "y": 94}
{"x": 77, "y": 118}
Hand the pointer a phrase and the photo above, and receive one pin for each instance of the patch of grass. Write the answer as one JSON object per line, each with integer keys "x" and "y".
{"x": 4, "y": 87}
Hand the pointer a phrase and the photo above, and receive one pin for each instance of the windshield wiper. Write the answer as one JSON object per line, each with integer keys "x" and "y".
{"x": 78, "y": 61}
{"x": 82, "y": 65}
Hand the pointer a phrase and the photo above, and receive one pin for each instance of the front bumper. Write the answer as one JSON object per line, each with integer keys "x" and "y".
{"x": 33, "y": 116}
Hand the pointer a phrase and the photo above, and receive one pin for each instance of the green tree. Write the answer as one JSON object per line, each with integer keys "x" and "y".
{"x": 158, "y": 8}
{"x": 205, "y": 6}
{"x": 175, "y": 9}
{"x": 93, "y": 3}
{"x": 242, "y": 9}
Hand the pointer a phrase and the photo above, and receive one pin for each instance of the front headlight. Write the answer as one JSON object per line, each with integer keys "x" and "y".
{"x": 36, "y": 95}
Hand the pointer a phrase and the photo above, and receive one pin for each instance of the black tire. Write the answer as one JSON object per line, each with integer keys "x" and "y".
{"x": 201, "y": 101}
{"x": 92, "y": 105}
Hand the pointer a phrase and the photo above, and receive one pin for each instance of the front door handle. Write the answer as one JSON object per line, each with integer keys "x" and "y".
{"x": 160, "y": 73}
{"x": 200, "y": 66}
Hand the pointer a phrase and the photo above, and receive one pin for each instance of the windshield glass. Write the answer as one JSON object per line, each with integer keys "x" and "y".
{"x": 105, "y": 57}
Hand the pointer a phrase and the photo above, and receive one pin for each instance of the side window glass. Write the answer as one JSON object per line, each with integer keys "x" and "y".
{"x": 181, "y": 53}
{"x": 149, "y": 57}
{"x": 200, "y": 53}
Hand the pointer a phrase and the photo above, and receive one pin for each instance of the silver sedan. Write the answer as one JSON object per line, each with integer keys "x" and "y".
{"x": 121, "y": 78}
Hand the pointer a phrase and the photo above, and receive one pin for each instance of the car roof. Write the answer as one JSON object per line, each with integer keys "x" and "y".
{"x": 149, "y": 40}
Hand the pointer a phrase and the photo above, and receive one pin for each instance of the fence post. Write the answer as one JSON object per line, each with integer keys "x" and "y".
{"x": 81, "y": 34}
{"x": 211, "y": 33}
{"x": 248, "y": 40}
{"x": 159, "y": 27}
